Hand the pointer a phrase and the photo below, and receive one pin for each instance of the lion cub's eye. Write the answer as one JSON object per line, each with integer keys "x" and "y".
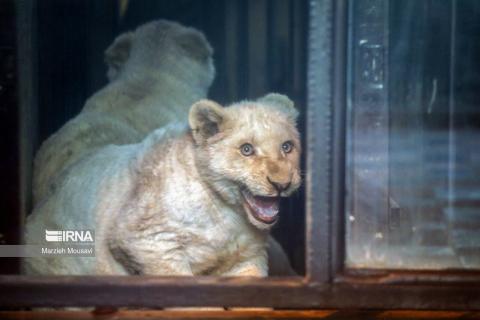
{"x": 246, "y": 149}
{"x": 287, "y": 146}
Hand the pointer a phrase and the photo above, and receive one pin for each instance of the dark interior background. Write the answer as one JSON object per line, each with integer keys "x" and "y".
{"x": 260, "y": 47}
{"x": 9, "y": 160}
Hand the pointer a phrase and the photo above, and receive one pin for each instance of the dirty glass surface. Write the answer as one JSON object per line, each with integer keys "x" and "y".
{"x": 413, "y": 135}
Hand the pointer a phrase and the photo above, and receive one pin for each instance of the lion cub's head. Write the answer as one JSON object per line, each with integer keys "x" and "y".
{"x": 249, "y": 153}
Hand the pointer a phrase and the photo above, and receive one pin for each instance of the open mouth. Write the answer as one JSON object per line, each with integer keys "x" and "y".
{"x": 264, "y": 209}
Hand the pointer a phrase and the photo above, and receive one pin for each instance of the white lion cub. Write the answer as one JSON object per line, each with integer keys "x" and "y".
{"x": 185, "y": 201}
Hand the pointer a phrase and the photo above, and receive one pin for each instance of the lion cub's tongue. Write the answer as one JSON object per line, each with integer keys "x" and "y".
{"x": 265, "y": 208}
{"x": 267, "y": 205}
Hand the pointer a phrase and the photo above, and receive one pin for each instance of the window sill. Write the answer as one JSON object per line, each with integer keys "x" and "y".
{"x": 239, "y": 314}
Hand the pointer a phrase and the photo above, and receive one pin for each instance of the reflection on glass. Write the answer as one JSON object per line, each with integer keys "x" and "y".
{"x": 413, "y": 147}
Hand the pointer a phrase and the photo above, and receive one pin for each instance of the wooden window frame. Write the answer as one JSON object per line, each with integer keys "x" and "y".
{"x": 327, "y": 284}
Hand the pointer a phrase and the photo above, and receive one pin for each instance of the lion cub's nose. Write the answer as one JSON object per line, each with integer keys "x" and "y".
{"x": 279, "y": 186}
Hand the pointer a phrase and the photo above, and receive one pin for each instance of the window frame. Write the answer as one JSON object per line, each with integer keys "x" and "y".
{"x": 327, "y": 284}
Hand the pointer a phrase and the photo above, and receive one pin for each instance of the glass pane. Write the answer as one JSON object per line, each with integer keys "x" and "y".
{"x": 97, "y": 75}
{"x": 413, "y": 151}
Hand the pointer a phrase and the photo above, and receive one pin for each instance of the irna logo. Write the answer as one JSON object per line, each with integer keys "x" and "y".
{"x": 69, "y": 236}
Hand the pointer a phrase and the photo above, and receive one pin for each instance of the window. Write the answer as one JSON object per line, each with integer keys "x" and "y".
{"x": 413, "y": 183}
{"x": 268, "y": 38}
{"x": 389, "y": 105}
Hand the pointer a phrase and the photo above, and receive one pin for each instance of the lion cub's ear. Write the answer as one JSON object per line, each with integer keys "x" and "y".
{"x": 117, "y": 54}
{"x": 205, "y": 118}
{"x": 282, "y": 102}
